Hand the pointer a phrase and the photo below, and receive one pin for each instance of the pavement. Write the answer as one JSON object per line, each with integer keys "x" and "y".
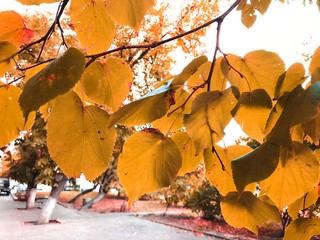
{"x": 16, "y": 223}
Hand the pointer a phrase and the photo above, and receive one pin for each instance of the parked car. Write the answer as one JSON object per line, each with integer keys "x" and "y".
{"x": 5, "y": 186}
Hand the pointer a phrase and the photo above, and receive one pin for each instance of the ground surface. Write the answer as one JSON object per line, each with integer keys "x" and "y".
{"x": 175, "y": 216}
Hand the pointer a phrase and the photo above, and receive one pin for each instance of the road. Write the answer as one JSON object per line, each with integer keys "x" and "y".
{"x": 75, "y": 225}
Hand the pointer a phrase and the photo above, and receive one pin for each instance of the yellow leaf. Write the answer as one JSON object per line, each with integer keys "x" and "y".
{"x": 188, "y": 152}
{"x": 296, "y": 174}
{"x": 94, "y": 28}
{"x": 257, "y": 70}
{"x": 261, "y": 5}
{"x": 247, "y": 211}
{"x": 218, "y": 80}
{"x": 149, "y": 161}
{"x": 312, "y": 128}
{"x": 108, "y": 82}
{"x": 293, "y": 77}
{"x": 260, "y": 163}
{"x": 11, "y": 117}
{"x": 302, "y": 203}
{"x": 302, "y": 229}
{"x": 6, "y": 51}
{"x": 190, "y": 69}
{"x": 256, "y": 165}
{"x": 36, "y": 2}
{"x": 209, "y": 116}
{"x": 307, "y": 105}
{"x": 55, "y": 79}
{"x": 248, "y": 15}
{"x": 79, "y": 139}
{"x": 129, "y": 12}
{"x": 13, "y": 29}
{"x": 278, "y": 124}
{"x": 253, "y": 107}
{"x": 174, "y": 121}
{"x": 222, "y": 179}
{"x": 315, "y": 62}
{"x": 147, "y": 109}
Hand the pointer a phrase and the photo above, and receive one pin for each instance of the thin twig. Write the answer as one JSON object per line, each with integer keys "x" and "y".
{"x": 60, "y": 11}
{"x": 213, "y": 149}
{"x": 13, "y": 81}
{"x": 156, "y": 44}
{"x": 217, "y": 48}
{"x": 43, "y": 39}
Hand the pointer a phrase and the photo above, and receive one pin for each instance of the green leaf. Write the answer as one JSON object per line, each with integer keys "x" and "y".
{"x": 129, "y": 12}
{"x": 189, "y": 70}
{"x": 188, "y": 152}
{"x": 256, "y": 165}
{"x": 258, "y": 69}
{"x": 150, "y": 107}
{"x": 247, "y": 211}
{"x": 94, "y": 28}
{"x": 209, "y": 116}
{"x": 149, "y": 161}
{"x": 79, "y": 139}
{"x": 296, "y": 174}
{"x": 222, "y": 179}
{"x": 55, "y": 79}
{"x": 302, "y": 229}
{"x": 6, "y": 51}
{"x": 107, "y": 82}
{"x": 253, "y": 107}
{"x": 11, "y": 117}
{"x": 293, "y": 77}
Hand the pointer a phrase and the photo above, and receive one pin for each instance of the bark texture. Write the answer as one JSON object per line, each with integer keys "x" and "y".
{"x": 58, "y": 185}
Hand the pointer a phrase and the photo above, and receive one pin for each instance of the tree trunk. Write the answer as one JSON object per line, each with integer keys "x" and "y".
{"x": 31, "y": 195}
{"x": 83, "y": 193}
{"x": 102, "y": 191}
{"x": 58, "y": 185}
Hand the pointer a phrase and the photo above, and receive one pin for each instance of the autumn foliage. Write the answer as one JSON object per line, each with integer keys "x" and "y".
{"x": 88, "y": 90}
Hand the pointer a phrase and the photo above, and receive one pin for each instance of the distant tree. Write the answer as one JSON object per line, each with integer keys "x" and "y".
{"x": 31, "y": 163}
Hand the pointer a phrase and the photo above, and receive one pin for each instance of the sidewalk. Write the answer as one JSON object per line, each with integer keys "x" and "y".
{"x": 74, "y": 225}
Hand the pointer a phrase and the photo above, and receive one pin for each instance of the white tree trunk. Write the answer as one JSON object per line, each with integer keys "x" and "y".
{"x": 47, "y": 211}
{"x": 31, "y": 197}
{"x": 58, "y": 185}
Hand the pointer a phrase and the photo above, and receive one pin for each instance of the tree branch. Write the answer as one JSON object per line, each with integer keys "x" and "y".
{"x": 45, "y": 38}
{"x": 156, "y": 44}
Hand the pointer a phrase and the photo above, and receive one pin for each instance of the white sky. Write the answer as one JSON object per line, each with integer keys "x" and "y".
{"x": 288, "y": 29}
{"x": 283, "y": 29}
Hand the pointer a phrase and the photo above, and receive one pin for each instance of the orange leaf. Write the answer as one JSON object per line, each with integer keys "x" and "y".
{"x": 13, "y": 29}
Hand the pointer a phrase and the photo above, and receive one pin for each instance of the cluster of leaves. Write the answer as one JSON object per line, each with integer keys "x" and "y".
{"x": 84, "y": 92}
{"x": 206, "y": 200}
{"x": 30, "y": 162}
{"x": 183, "y": 187}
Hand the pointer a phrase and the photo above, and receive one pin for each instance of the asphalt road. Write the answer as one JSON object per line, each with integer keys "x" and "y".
{"x": 75, "y": 225}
